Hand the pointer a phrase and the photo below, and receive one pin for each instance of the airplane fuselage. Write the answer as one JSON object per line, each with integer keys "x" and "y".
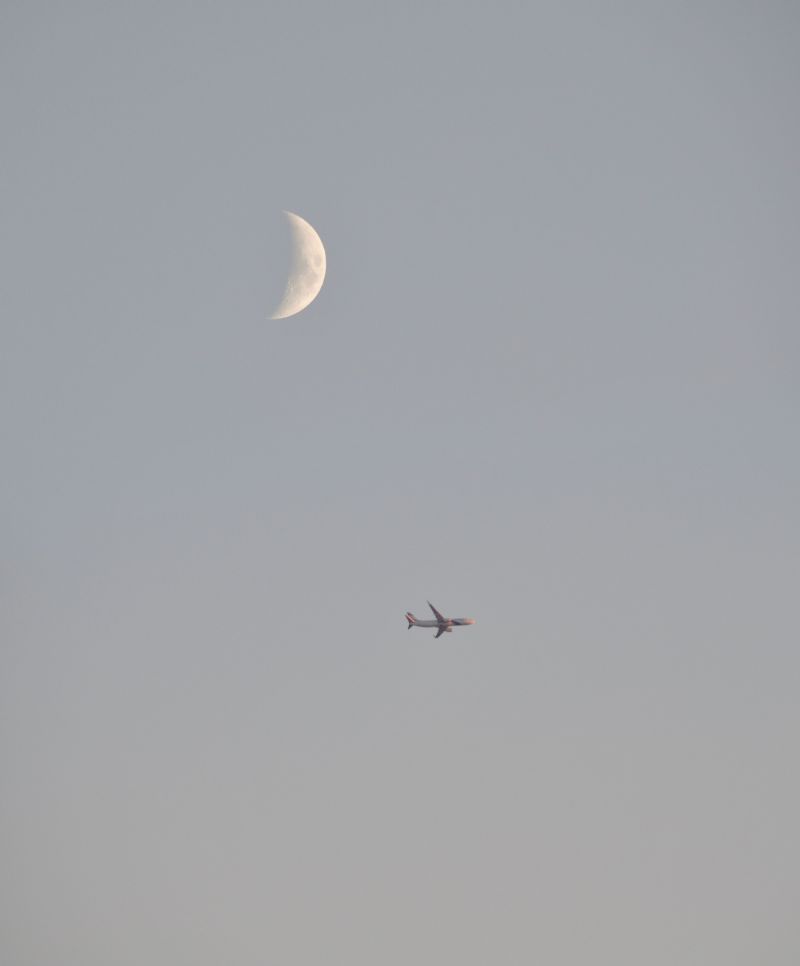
{"x": 448, "y": 624}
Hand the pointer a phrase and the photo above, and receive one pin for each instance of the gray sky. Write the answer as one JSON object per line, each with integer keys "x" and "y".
{"x": 551, "y": 382}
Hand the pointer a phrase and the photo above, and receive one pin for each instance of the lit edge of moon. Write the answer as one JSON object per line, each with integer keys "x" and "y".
{"x": 307, "y": 270}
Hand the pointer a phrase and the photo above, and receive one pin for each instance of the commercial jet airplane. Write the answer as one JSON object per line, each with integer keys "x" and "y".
{"x": 443, "y": 623}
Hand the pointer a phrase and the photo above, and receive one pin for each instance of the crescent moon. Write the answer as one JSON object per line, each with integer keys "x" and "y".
{"x": 307, "y": 271}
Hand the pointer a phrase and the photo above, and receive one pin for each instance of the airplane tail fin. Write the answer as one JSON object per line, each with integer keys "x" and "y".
{"x": 411, "y": 619}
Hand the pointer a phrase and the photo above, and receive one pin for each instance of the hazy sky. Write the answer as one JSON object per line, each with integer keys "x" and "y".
{"x": 552, "y": 382}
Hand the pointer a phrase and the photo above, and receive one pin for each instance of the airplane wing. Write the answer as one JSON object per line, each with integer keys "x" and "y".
{"x": 440, "y": 632}
{"x": 436, "y": 613}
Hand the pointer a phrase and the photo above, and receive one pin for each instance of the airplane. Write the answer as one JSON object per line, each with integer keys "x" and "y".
{"x": 445, "y": 624}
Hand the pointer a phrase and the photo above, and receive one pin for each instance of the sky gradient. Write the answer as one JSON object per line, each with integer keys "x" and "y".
{"x": 551, "y": 382}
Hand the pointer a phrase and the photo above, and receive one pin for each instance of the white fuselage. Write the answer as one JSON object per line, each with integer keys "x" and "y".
{"x": 448, "y": 624}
